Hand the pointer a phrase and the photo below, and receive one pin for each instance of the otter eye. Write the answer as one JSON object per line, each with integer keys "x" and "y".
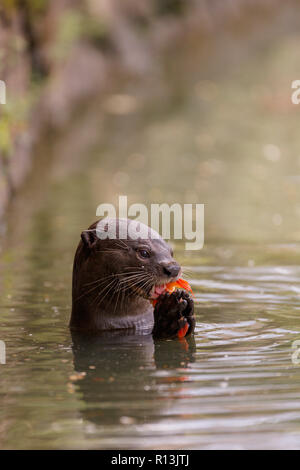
{"x": 144, "y": 253}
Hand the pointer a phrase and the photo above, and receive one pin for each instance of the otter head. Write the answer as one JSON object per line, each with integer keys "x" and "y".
{"x": 123, "y": 258}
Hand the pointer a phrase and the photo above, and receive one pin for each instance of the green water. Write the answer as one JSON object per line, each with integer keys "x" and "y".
{"x": 229, "y": 140}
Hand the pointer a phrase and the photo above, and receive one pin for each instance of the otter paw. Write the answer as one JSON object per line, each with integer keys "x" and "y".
{"x": 174, "y": 315}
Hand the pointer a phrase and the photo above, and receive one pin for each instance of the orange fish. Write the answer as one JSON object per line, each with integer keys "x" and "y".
{"x": 172, "y": 286}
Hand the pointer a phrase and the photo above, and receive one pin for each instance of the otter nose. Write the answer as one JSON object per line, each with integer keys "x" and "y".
{"x": 171, "y": 270}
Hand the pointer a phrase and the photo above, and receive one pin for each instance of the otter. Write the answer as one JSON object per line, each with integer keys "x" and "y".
{"x": 115, "y": 279}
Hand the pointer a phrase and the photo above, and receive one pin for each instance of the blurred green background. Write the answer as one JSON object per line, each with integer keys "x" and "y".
{"x": 160, "y": 100}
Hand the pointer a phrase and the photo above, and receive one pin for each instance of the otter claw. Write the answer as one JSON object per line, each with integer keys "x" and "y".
{"x": 173, "y": 315}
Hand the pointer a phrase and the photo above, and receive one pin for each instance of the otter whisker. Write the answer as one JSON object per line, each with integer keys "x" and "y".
{"x": 139, "y": 284}
{"x": 87, "y": 292}
{"x": 99, "y": 279}
{"x": 131, "y": 282}
{"x": 104, "y": 288}
{"x": 150, "y": 283}
{"x": 187, "y": 271}
{"x": 134, "y": 267}
{"x": 99, "y": 283}
{"x": 132, "y": 285}
{"x": 131, "y": 278}
{"x": 101, "y": 300}
{"x": 110, "y": 286}
{"x": 144, "y": 285}
{"x": 117, "y": 301}
{"x": 126, "y": 275}
{"x": 187, "y": 275}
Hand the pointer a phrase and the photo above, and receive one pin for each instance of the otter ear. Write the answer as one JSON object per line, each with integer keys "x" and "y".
{"x": 89, "y": 238}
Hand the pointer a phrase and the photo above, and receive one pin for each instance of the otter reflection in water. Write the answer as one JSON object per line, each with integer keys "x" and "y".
{"x": 115, "y": 279}
{"x": 123, "y": 372}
